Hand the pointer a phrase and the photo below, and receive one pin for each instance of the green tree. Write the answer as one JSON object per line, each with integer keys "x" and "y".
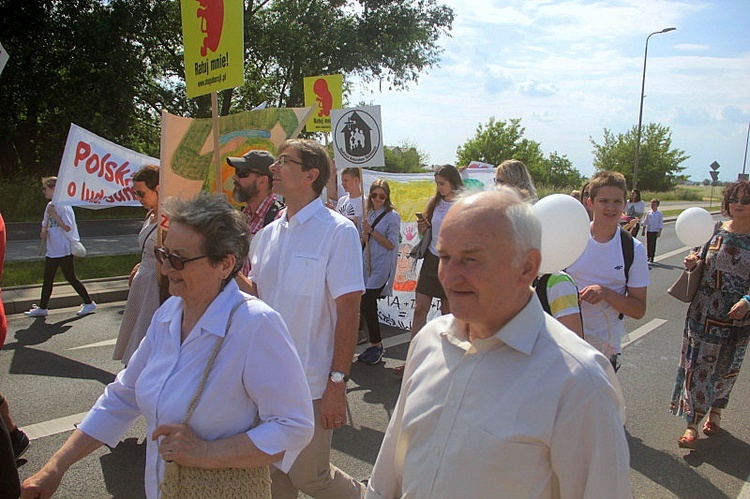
{"x": 405, "y": 158}
{"x": 500, "y": 140}
{"x": 112, "y": 66}
{"x": 659, "y": 164}
{"x": 559, "y": 172}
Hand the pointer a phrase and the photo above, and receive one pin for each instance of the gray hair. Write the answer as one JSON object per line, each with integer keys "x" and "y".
{"x": 223, "y": 229}
{"x": 525, "y": 227}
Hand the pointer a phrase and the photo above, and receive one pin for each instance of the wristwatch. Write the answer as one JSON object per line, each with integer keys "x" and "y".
{"x": 338, "y": 377}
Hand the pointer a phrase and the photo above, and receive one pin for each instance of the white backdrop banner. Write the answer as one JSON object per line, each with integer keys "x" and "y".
{"x": 96, "y": 173}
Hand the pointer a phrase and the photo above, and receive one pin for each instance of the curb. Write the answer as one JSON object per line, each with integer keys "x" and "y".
{"x": 18, "y": 299}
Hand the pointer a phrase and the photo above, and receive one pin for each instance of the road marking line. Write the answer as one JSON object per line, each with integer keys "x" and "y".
{"x": 105, "y": 343}
{"x": 392, "y": 341}
{"x": 53, "y": 426}
{"x": 678, "y": 251}
{"x": 745, "y": 492}
{"x": 643, "y": 331}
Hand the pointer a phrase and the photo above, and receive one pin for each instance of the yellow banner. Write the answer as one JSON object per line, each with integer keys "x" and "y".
{"x": 214, "y": 45}
{"x": 322, "y": 93}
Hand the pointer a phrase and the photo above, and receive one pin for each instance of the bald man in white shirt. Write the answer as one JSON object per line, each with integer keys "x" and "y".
{"x": 499, "y": 399}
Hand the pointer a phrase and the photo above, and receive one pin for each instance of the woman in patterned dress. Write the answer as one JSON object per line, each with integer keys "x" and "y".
{"x": 717, "y": 327}
{"x": 143, "y": 296}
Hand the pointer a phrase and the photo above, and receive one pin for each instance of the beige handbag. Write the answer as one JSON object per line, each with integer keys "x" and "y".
{"x": 184, "y": 482}
{"x": 686, "y": 286}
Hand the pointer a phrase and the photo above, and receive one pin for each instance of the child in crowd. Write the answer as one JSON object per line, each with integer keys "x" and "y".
{"x": 653, "y": 223}
{"x": 611, "y": 284}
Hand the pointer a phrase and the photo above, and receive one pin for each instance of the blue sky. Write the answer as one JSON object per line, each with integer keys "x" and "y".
{"x": 570, "y": 68}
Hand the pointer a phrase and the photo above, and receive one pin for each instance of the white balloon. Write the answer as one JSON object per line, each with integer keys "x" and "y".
{"x": 565, "y": 231}
{"x": 694, "y": 226}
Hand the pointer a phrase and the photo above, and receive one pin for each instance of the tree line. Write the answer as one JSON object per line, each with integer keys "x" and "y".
{"x": 112, "y": 66}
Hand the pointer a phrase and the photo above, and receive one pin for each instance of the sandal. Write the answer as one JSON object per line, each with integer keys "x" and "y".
{"x": 711, "y": 428}
{"x": 688, "y": 440}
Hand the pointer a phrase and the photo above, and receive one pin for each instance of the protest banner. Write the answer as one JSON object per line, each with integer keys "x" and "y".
{"x": 410, "y": 193}
{"x": 187, "y": 146}
{"x": 214, "y": 45}
{"x": 96, "y": 173}
{"x": 323, "y": 93}
{"x": 357, "y": 137}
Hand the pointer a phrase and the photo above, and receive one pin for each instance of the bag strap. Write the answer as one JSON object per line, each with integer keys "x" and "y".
{"x": 628, "y": 254}
{"x": 704, "y": 251}
{"x": 273, "y": 212}
{"x": 143, "y": 247}
{"x": 540, "y": 285}
{"x": 380, "y": 217}
{"x": 209, "y": 364}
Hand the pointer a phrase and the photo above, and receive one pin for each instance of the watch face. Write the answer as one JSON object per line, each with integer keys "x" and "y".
{"x": 337, "y": 377}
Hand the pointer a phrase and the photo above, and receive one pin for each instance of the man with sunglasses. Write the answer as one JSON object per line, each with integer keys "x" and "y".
{"x": 307, "y": 265}
{"x": 253, "y": 182}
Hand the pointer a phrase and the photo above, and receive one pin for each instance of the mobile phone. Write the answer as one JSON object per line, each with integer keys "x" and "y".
{"x": 419, "y": 215}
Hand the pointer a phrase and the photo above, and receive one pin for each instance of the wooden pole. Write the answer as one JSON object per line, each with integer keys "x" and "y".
{"x": 362, "y": 222}
{"x": 215, "y": 126}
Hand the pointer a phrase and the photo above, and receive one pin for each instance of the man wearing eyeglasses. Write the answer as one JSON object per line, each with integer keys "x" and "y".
{"x": 252, "y": 185}
{"x": 308, "y": 266}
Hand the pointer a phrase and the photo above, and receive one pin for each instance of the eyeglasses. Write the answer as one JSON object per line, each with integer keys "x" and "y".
{"x": 140, "y": 194}
{"x": 742, "y": 201}
{"x": 283, "y": 159}
{"x": 177, "y": 262}
{"x": 377, "y": 195}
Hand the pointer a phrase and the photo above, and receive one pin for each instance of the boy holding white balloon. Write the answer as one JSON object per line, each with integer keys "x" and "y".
{"x": 607, "y": 292}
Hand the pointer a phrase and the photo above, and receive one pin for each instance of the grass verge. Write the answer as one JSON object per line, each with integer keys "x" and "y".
{"x": 32, "y": 272}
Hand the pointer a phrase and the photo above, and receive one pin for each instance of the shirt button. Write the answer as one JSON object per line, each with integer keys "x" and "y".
{"x": 436, "y": 450}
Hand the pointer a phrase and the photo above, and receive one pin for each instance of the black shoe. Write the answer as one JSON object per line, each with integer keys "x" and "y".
{"x": 20, "y": 442}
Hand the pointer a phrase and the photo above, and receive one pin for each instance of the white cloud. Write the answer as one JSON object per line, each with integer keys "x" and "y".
{"x": 535, "y": 88}
{"x": 571, "y": 68}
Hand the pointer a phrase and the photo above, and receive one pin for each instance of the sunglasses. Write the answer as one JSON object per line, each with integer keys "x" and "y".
{"x": 245, "y": 173}
{"x": 177, "y": 262}
{"x": 376, "y": 195}
{"x": 742, "y": 201}
{"x": 140, "y": 194}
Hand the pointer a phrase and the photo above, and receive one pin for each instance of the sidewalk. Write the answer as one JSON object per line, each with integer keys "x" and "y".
{"x": 108, "y": 237}
{"x": 109, "y": 289}
{"x": 20, "y": 298}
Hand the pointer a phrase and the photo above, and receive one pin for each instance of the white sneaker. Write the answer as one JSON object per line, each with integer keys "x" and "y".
{"x": 35, "y": 311}
{"x": 86, "y": 309}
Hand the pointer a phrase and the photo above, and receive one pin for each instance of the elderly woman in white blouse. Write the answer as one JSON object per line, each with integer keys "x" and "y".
{"x": 255, "y": 407}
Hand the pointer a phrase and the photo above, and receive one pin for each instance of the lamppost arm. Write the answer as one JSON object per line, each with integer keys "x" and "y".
{"x": 640, "y": 107}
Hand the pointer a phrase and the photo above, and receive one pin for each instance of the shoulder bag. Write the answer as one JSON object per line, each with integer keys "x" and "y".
{"x": 185, "y": 482}
{"x": 686, "y": 285}
{"x": 420, "y": 250}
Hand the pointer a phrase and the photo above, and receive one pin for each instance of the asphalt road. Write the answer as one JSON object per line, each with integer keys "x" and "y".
{"x": 53, "y": 370}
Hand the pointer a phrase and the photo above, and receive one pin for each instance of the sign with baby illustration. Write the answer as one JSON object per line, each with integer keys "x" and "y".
{"x": 323, "y": 94}
{"x": 214, "y": 45}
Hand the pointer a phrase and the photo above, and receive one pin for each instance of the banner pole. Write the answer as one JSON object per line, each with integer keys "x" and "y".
{"x": 215, "y": 126}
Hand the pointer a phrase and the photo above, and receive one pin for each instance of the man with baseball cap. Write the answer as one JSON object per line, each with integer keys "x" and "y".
{"x": 253, "y": 181}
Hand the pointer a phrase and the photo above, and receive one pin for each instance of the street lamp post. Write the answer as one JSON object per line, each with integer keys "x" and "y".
{"x": 640, "y": 109}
